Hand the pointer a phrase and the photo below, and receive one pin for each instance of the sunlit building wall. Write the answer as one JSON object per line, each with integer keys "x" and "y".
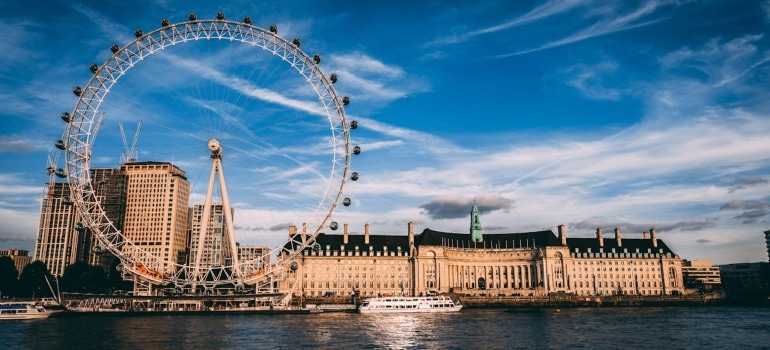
{"x": 56, "y": 243}
{"x": 20, "y": 258}
{"x": 699, "y": 273}
{"x": 341, "y": 265}
{"x": 157, "y": 197}
{"x": 215, "y": 248}
{"x": 515, "y": 264}
{"x": 257, "y": 257}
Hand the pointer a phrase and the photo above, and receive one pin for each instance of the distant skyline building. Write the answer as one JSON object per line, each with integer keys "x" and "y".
{"x": 109, "y": 186}
{"x": 20, "y": 258}
{"x": 747, "y": 277}
{"x": 252, "y": 253}
{"x": 216, "y": 251}
{"x": 157, "y": 199}
{"x": 700, "y": 273}
{"x": 57, "y": 241}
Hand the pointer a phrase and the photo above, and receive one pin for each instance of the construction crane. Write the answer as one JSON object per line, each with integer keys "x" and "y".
{"x": 130, "y": 154}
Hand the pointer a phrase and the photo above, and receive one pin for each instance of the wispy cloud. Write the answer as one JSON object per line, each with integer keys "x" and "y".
{"x": 608, "y": 25}
{"x": 106, "y": 25}
{"x": 635, "y": 228}
{"x": 417, "y": 141}
{"x": 589, "y": 80}
{"x": 549, "y": 9}
{"x": 722, "y": 63}
{"x": 370, "y": 80}
{"x": 13, "y": 50}
{"x": 18, "y": 144}
{"x": 744, "y": 182}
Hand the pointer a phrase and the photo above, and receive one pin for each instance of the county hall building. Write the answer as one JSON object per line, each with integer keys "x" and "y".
{"x": 474, "y": 263}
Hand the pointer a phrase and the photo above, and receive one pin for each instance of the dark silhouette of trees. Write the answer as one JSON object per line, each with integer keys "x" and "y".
{"x": 115, "y": 278}
{"x": 8, "y": 277}
{"x": 70, "y": 280}
{"x": 83, "y": 278}
{"x": 77, "y": 278}
{"x": 94, "y": 280}
{"x": 32, "y": 282}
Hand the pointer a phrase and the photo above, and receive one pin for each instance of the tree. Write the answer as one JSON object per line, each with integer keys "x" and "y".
{"x": 32, "y": 282}
{"x": 94, "y": 280}
{"x": 71, "y": 278}
{"x": 115, "y": 278}
{"x": 8, "y": 276}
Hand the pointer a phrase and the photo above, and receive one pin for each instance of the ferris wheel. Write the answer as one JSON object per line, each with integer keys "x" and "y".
{"x": 269, "y": 135}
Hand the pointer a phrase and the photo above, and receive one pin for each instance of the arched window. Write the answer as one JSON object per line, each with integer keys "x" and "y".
{"x": 672, "y": 276}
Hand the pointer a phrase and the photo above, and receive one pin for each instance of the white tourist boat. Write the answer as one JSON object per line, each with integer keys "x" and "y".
{"x": 22, "y": 311}
{"x": 409, "y": 304}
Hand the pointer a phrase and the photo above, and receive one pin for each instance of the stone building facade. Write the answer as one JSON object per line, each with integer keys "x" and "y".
{"x": 340, "y": 265}
{"x": 527, "y": 263}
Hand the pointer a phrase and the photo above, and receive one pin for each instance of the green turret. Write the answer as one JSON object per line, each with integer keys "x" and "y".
{"x": 476, "y": 234}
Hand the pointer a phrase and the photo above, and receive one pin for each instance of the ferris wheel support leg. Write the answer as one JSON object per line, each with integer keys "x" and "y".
{"x": 230, "y": 226}
{"x": 204, "y": 225}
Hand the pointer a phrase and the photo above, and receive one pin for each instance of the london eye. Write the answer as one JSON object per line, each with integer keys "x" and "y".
{"x": 231, "y": 93}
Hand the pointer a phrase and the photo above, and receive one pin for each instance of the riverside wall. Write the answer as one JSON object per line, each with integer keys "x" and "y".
{"x": 558, "y": 300}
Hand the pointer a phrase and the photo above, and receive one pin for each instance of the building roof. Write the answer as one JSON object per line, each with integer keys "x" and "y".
{"x": 503, "y": 240}
{"x": 644, "y": 245}
{"x": 376, "y": 241}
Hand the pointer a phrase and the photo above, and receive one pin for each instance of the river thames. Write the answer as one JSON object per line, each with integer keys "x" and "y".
{"x": 594, "y": 328}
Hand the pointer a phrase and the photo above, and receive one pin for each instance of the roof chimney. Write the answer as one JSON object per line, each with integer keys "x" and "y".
{"x": 646, "y": 235}
{"x": 292, "y": 231}
{"x": 617, "y": 237}
{"x": 563, "y": 235}
{"x": 410, "y": 226}
{"x": 345, "y": 234}
{"x": 599, "y": 236}
{"x": 304, "y": 233}
{"x": 654, "y": 238}
{"x": 366, "y": 234}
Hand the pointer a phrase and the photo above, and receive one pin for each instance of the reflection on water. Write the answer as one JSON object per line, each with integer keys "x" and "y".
{"x": 595, "y": 328}
{"x": 403, "y": 331}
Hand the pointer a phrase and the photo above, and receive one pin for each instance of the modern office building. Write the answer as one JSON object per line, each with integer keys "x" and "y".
{"x": 700, "y": 274}
{"x": 20, "y": 258}
{"x": 746, "y": 276}
{"x": 253, "y": 255}
{"x": 58, "y": 242}
{"x": 157, "y": 197}
{"x": 109, "y": 185}
{"x": 216, "y": 248}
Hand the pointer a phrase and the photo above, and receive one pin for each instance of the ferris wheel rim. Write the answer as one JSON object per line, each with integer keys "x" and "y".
{"x": 83, "y": 128}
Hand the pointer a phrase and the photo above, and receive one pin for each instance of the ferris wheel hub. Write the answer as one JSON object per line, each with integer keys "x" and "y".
{"x": 215, "y": 147}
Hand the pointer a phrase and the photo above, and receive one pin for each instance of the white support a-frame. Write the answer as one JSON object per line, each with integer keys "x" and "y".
{"x": 216, "y": 168}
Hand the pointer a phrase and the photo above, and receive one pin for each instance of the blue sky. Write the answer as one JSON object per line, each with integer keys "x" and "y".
{"x": 584, "y": 113}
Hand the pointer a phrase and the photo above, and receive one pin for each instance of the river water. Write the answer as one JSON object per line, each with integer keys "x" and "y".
{"x": 589, "y": 328}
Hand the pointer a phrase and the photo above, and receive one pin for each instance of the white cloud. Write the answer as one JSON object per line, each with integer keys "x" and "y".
{"x": 589, "y": 80}
{"x": 612, "y": 23}
{"x": 549, "y": 9}
{"x": 367, "y": 79}
{"x": 722, "y": 63}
